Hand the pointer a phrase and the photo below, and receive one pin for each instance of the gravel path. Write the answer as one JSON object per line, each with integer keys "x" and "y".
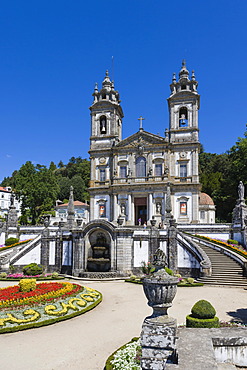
{"x": 85, "y": 342}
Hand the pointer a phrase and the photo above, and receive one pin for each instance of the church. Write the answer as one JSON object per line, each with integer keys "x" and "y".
{"x": 145, "y": 176}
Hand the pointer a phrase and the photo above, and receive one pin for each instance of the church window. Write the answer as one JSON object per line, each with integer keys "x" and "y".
{"x": 101, "y": 210}
{"x": 141, "y": 167}
{"x": 102, "y": 174}
{"x": 203, "y": 215}
{"x": 183, "y": 208}
{"x": 183, "y": 117}
{"x": 183, "y": 87}
{"x": 183, "y": 172}
{"x": 103, "y": 124}
{"x": 103, "y": 96}
{"x": 123, "y": 171}
{"x": 158, "y": 169}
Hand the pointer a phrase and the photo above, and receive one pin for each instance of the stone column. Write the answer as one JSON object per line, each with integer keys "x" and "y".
{"x": 45, "y": 250}
{"x": 115, "y": 207}
{"x": 172, "y": 253}
{"x": 129, "y": 207}
{"x": 150, "y": 205}
{"x": 92, "y": 216}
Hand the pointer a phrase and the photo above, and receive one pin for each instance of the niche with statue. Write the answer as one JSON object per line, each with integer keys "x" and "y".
{"x": 99, "y": 253}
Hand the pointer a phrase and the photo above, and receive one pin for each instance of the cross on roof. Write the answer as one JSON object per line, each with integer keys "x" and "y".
{"x": 141, "y": 119}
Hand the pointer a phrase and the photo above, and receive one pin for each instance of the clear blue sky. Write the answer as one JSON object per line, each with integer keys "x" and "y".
{"x": 53, "y": 52}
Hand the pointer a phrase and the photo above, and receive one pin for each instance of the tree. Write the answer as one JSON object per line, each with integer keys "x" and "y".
{"x": 37, "y": 187}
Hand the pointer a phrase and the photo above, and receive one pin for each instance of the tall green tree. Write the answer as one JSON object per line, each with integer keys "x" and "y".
{"x": 37, "y": 187}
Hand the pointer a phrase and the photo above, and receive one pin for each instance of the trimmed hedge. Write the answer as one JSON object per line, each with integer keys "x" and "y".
{"x": 203, "y": 310}
{"x": 193, "y": 322}
{"x": 11, "y": 241}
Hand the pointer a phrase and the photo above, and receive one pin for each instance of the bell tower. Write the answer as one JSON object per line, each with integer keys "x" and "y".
{"x": 106, "y": 116}
{"x": 184, "y": 103}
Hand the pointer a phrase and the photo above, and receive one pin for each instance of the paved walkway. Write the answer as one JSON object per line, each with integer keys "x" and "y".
{"x": 85, "y": 342}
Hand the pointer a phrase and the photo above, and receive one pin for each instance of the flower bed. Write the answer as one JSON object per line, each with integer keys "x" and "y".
{"x": 3, "y": 247}
{"x": 240, "y": 250}
{"x": 18, "y": 276}
{"x": 126, "y": 357}
{"x": 47, "y": 304}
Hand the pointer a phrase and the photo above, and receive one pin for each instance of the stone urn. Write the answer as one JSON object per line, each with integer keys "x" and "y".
{"x": 79, "y": 222}
{"x": 153, "y": 222}
{"x": 160, "y": 289}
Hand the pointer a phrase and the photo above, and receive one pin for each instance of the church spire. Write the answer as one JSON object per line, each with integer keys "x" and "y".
{"x": 184, "y": 73}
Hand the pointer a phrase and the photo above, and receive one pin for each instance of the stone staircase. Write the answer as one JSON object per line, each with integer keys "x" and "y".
{"x": 225, "y": 271}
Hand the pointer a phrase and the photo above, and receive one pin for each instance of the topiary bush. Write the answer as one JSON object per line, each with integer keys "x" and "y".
{"x": 33, "y": 269}
{"x": 232, "y": 241}
{"x": 169, "y": 271}
{"x": 27, "y": 285}
{"x": 203, "y": 310}
{"x": 202, "y": 316}
{"x": 192, "y": 322}
{"x": 11, "y": 241}
{"x": 3, "y": 275}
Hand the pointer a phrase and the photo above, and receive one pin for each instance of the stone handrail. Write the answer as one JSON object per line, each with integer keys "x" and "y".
{"x": 234, "y": 255}
{"x": 26, "y": 248}
{"x": 193, "y": 246}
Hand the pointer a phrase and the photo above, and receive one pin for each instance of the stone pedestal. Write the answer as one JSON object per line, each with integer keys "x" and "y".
{"x": 239, "y": 223}
{"x": 12, "y": 220}
{"x": 158, "y": 344}
{"x": 159, "y": 330}
{"x": 121, "y": 220}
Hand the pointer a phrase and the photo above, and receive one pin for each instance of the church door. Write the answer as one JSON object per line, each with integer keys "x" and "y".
{"x": 140, "y": 210}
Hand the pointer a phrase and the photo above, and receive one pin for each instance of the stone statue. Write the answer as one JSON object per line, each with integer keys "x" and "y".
{"x": 159, "y": 259}
{"x": 122, "y": 207}
{"x": 158, "y": 208}
{"x": 12, "y": 199}
{"x": 241, "y": 191}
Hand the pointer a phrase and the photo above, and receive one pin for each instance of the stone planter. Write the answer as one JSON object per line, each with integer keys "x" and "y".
{"x": 160, "y": 290}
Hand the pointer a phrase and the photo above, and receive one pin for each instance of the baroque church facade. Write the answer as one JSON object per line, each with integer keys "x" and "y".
{"x": 146, "y": 176}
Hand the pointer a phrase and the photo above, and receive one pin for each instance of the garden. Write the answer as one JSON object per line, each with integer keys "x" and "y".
{"x": 30, "y": 304}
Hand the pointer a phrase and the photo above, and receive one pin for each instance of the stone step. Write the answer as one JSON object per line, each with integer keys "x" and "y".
{"x": 225, "y": 271}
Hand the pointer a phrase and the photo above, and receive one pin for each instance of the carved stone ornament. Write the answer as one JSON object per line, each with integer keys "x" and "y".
{"x": 183, "y": 155}
{"x": 102, "y": 160}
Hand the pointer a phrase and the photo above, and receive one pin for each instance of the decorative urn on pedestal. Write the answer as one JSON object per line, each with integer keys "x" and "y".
{"x": 160, "y": 289}
{"x": 158, "y": 334}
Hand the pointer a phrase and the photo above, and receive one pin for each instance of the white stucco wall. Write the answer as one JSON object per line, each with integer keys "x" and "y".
{"x": 140, "y": 252}
{"x": 185, "y": 259}
{"x": 31, "y": 257}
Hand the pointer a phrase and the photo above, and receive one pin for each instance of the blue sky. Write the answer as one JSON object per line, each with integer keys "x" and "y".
{"x": 53, "y": 52}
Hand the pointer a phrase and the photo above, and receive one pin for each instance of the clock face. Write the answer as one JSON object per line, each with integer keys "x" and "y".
{"x": 102, "y": 160}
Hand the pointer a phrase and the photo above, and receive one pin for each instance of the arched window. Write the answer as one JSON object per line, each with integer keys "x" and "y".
{"x": 183, "y": 117}
{"x": 141, "y": 167}
{"x": 103, "y": 124}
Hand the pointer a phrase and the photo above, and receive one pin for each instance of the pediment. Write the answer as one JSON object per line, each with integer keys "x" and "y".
{"x": 141, "y": 139}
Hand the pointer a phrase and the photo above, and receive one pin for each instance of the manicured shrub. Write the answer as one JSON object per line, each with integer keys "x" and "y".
{"x": 55, "y": 275}
{"x": 192, "y": 322}
{"x": 3, "y": 275}
{"x": 27, "y": 285}
{"x": 169, "y": 271}
{"x": 202, "y": 316}
{"x": 11, "y": 241}
{"x": 203, "y": 310}
{"x": 190, "y": 280}
{"x": 231, "y": 241}
{"x": 32, "y": 269}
